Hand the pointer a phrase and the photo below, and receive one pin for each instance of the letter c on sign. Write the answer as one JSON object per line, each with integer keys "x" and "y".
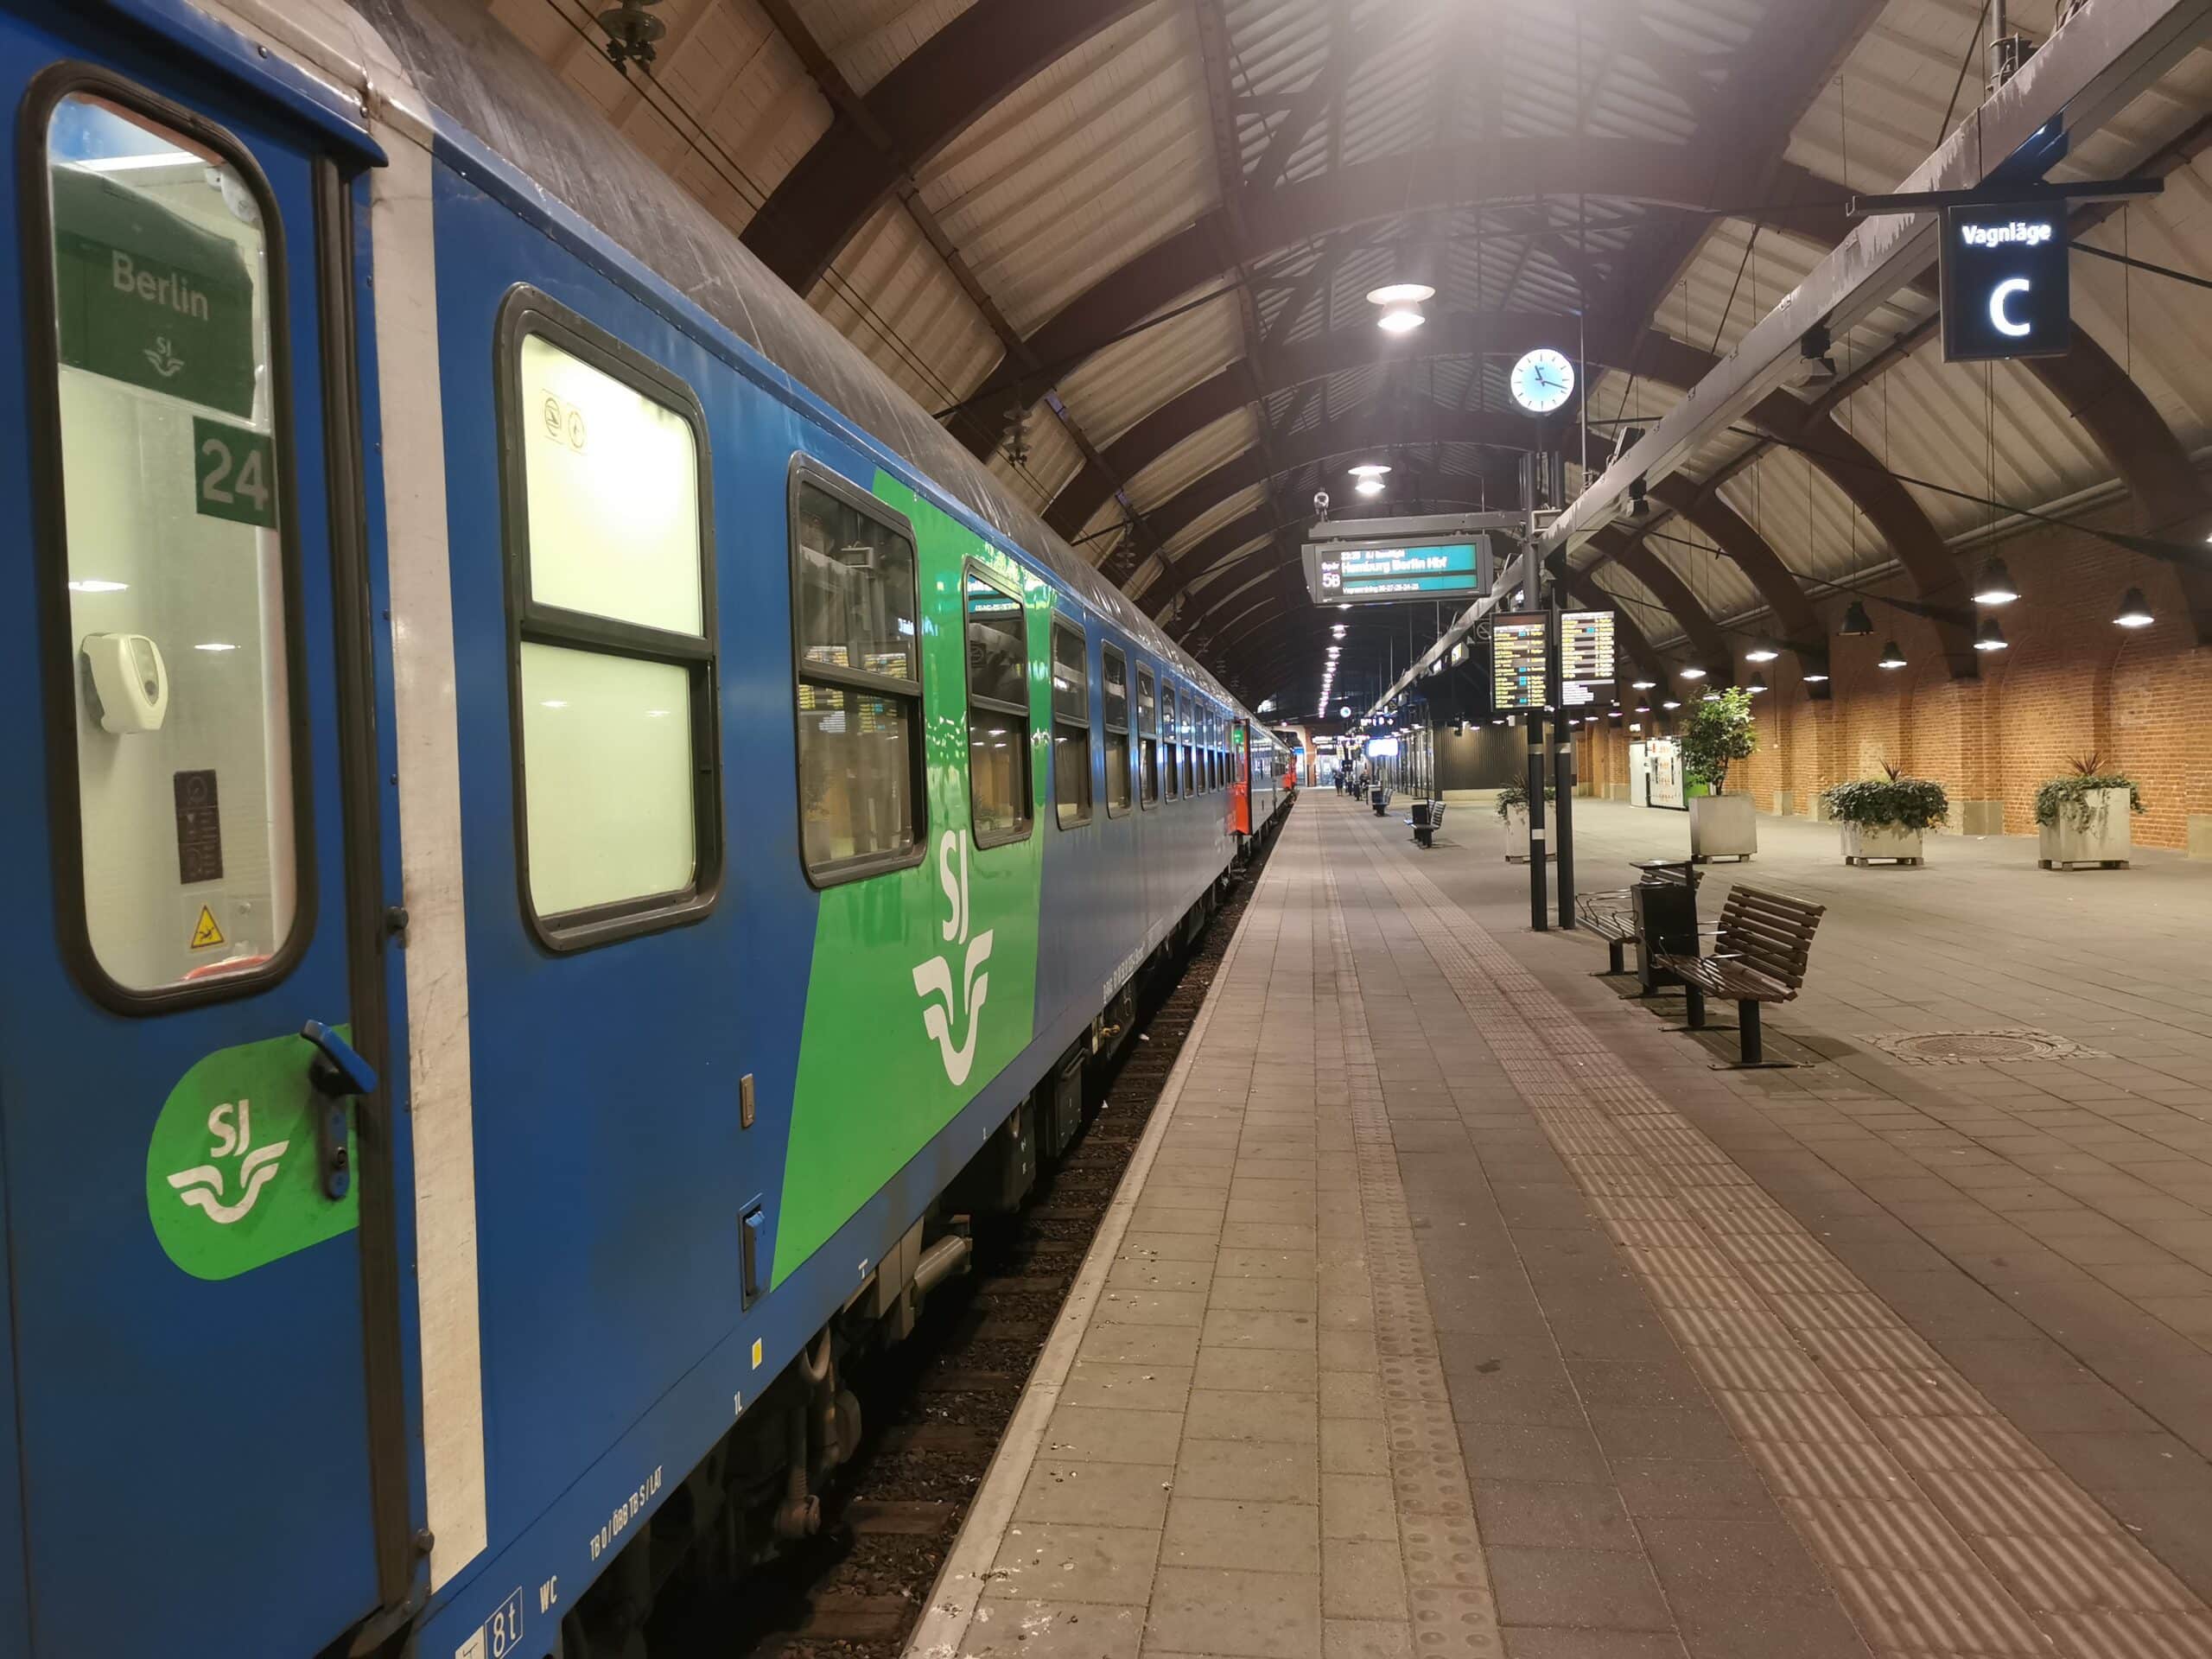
{"x": 2005, "y": 325}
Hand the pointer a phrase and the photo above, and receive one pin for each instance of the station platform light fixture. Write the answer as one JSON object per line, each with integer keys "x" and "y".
{"x": 1990, "y": 636}
{"x": 1892, "y": 656}
{"x": 2134, "y": 610}
{"x": 1995, "y": 586}
{"x": 1857, "y": 625}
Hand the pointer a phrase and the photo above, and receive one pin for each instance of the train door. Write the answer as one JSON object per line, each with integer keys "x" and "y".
{"x": 1240, "y": 778}
{"x": 186, "y": 720}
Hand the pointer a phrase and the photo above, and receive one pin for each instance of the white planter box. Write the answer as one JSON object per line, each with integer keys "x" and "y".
{"x": 1863, "y": 843}
{"x": 2106, "y": 840}
{"x": 1517, "y": 834}
{"x": 1723, "y": 826}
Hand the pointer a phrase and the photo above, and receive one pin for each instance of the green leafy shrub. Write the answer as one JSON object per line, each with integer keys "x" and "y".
{"x": 1892, "y": 802}
{"x": 1517, "y": 794}
{"x": 2069, "y": 796}
{"x": 1719, "y": 731}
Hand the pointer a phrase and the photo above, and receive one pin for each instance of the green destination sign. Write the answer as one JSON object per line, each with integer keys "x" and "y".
{"x": 1338, "y": 574}
{"x": 148, "y": 297}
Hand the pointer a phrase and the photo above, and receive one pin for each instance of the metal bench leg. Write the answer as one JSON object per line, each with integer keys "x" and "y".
{"x": 1747, "y": 1022}
{"x": 1619, "y": 964}
{"x": 1696, "y": 1015}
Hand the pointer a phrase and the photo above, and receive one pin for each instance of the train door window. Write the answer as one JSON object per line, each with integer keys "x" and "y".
{"x": 1213, "y": 751}
{"x": 614, "y": 639}
{"x": 167, "y": 266}
{"x": 857, "y": 649}
{"x": 999, "y": 791}
{"x": 1071, "y": 725}
{"x": 1167, "y": 738}
{"x": 1189, "y": 747}
{"x": 1148, "y": 740}
{"x": 1117, "y": 731}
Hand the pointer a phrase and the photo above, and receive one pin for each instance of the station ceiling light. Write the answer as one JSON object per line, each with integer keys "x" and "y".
{"x": 1401, "y": 303}
{"x": 1816, "y": 676}
{"x": 1891, "y": 656}
{"x": 1671, "y": 702}
{"x": 1857, "y": 625}
{"x": 1763, "y": 650}
{"x": 1691, "y": 671}
{"x": 1710, "y": 696}
{"x": 1758, "y": 685}
{"x": 1990, "y": 637}
{"x": 1370, "y": 474}
{"x": 1995, "y": 587}
{"x": 2134, "y": 610}
{"x": 1643, "y": 685}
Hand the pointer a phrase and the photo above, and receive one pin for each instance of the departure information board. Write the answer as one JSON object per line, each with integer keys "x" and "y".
{"x": 1342, "y": 575}
{"x": 1520, "y": 661}
{"x": 1586, "y": 657}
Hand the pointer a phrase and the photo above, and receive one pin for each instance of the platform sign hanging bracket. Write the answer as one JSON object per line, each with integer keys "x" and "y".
{"x": 2004, "y": 195}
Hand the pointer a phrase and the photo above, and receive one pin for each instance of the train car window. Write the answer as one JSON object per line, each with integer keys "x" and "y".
{"x": 1168, "y": 729}
{"x": 612, "y": 584}
{"x": 857, "y": 651}
{"x": 1148, "y": 740}
{"x": 1071, "y": 725}
{"x": 171, "y": 616}
{"x": 1190, "y": 745}
{"x": 1117, "y": 731}
{"x": 999, "y": 791}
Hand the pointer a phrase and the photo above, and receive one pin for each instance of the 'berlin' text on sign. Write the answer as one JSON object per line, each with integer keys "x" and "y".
{"x": 2007, "y": 289}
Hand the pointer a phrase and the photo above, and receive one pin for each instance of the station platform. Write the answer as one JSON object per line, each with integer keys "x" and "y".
{"x": 1454, "y": 1305}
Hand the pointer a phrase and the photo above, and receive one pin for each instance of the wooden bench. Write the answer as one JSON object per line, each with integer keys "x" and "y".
{"x": 1611, "y": 916}
{"x": 1759, "y": 955}
{"x": 1427, "y": 819}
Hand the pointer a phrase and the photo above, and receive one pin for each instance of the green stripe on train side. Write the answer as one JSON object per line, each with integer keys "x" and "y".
{"x": 922, "y": 984}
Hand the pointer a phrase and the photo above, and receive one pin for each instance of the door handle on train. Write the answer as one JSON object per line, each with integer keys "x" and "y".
{"x": 338, "y": 1075}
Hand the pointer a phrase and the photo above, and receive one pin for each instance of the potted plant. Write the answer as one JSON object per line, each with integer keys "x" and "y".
{"x": 1513, "y": 812}
{"x": 2085, "y": 817}
{"x": 1721, "y": 731}
{"x": 1886, "y": 817}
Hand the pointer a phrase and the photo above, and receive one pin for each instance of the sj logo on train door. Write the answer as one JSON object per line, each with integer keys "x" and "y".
{"x": 933, "y": 979}
{"x": 231, "y": 1180}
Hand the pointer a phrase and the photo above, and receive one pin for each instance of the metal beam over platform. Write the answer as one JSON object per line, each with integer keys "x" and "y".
{"x": 2097, "y": 62}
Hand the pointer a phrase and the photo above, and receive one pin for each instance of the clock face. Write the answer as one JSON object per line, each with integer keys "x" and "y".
{"x": 1542, "y": 381}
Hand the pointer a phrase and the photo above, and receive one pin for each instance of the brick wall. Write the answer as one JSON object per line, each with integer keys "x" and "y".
{"x": 2071, "y": 684}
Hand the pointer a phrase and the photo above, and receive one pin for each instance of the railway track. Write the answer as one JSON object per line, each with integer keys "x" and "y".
{"x": 936, "y": 1406}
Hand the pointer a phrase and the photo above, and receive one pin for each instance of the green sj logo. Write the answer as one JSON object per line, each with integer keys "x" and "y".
{"x": 231, "y": 1182}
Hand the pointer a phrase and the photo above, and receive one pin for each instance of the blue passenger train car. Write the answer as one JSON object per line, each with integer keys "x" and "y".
{"x": 571, "y": 838}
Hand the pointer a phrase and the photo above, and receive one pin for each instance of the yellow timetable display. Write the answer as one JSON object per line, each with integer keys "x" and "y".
{"x": 1520, "y": 662}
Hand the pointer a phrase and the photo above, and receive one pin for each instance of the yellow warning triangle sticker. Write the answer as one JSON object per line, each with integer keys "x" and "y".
{"x": 206, "y": 933}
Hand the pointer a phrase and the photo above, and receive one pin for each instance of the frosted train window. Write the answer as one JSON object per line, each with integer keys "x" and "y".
{"x": 614, "y": 481}
{"x": 170, "y": 446}
{"x": 620, "y": 805}
{"x": 859, "y": 689}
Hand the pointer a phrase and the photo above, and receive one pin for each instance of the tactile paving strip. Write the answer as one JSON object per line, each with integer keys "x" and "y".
{"x": 1945, "y": 1529}
{"x": 1447, "y": 1580}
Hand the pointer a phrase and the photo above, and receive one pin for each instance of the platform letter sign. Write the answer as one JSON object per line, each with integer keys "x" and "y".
{"x": 2005, "y": 283}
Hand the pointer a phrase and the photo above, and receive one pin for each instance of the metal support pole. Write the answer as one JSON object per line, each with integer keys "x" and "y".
{"x": 1563, "y": 769}
{"x": 1537, "y": 895}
